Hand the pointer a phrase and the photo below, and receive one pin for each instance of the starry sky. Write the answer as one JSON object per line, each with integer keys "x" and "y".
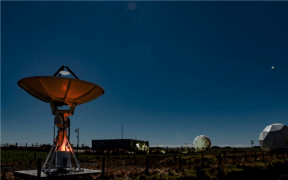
{"x": 170, "y": 70}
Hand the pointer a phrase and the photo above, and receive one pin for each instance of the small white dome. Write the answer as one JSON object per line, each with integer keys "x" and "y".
{"x": 201, "y": 142}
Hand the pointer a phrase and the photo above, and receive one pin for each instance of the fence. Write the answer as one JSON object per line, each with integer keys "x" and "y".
{"x": 119, "y": 165}
{"x": 33, "y": 145}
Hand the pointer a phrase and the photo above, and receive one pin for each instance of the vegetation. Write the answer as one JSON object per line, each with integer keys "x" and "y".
{"x": 220, "y": 164}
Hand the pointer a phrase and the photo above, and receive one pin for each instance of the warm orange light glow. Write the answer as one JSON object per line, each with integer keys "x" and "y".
{"x": 64, "y": 87}
{"x": 63, "y": 143}
{"x": 66, "y": 115}
{"x": 65, "y": 146}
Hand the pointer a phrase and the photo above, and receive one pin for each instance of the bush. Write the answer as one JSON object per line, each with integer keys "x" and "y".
{"x": 107, "y": 152}
{"x": 87, "y": 152}
{"x": 285, "y": 177}
{"x": 99, "y": 152}
{"x": 200, "y": 173}
{"x": 123, "y": 152}
{"x": 143, "y": 177}
{"x": 186, "y": 177}
{"x": 220, "y": 173}
{"x": 170, "y": 173}
{"x": 116, "y": 151}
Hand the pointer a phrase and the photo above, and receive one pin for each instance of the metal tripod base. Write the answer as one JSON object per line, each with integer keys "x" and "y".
{"x": 49, "y": 172}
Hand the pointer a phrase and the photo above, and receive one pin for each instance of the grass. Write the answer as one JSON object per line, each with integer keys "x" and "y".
{"x": 17, "y": 156}
{"x": 162, "y": 166}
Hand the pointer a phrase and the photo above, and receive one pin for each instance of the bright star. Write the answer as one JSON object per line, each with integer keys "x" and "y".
{"x": 272, "y": 67}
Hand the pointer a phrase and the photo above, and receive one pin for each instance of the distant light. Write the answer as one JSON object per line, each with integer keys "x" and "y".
{"x": 65, "y": 73}
{"x": 132, "y": 6}
{"x": 272, "y": 67}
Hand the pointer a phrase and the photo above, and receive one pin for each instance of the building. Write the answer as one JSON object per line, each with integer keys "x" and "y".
{"x": 128, "y": 144}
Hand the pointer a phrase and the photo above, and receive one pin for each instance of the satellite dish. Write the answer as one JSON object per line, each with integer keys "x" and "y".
{"x": 61, "y": 91}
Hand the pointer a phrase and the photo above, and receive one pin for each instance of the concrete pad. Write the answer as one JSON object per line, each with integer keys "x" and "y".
{"x": 32, "y": 174}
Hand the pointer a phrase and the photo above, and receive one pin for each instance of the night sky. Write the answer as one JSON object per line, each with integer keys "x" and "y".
{"x": 170, "y": 70}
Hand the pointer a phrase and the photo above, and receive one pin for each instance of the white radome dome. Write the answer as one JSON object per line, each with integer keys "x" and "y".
{"x": 201, "y": 142}
{"x": 274, "y": 137}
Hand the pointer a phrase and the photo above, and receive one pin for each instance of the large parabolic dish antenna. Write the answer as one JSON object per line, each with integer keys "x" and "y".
{"x": 59, "y": 91}
{"x": 65, "y": 91}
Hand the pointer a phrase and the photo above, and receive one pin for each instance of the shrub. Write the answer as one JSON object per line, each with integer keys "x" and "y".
{"x": 143, "y": 177}
{"x": 186, "y": 177}
{"x": 227, "y": 147}
{"x": 200, "y": 173}
{"x": 87, "y": 152}
{"x": 116, "y": 151}
{"x": 220, "y": 173}
{"x": 170, "y": 173}
{"x": 285, "y": 177}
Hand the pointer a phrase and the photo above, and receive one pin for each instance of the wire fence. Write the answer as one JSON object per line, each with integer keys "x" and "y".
{"x": 38, "y": 145}
{"x": 156, "y": 164}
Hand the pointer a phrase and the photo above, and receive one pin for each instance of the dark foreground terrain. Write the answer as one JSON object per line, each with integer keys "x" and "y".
{"x": 226, "y": 165}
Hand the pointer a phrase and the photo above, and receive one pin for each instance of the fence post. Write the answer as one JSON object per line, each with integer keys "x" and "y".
{"x": 245, "y": 156}
{"x": 234, "y": 161}
{"x": 7, "y": 158}
{"x": 202, "y": 159}
{"x": 263, "y": 155}
{"x": 179, "y": 162}
{"x": 39, "y": 168}
{"x": 156, "y": 150}
{"x": 220, "y": 158}
{"x": 16, "y": 145}
{"x": 147, "y": 165}
{"x": 255, "y": 155}
{"x": 103, "y": 167}
{"x": 174, "y": 153}
{"x": 26, "y": 145}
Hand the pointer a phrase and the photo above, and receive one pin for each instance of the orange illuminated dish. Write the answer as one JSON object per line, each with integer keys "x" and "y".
{"x": 72, "y": 92}
{"x": 59, "y": 91}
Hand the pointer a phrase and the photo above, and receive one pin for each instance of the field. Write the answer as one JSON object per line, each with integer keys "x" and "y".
{"x": 219, "y": 164}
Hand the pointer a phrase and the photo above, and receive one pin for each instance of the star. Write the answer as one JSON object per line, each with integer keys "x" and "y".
{"x": 272, "y": 67}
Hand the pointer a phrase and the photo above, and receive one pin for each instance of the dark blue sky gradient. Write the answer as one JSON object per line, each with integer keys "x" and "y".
{"x": 170, "y": 70}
